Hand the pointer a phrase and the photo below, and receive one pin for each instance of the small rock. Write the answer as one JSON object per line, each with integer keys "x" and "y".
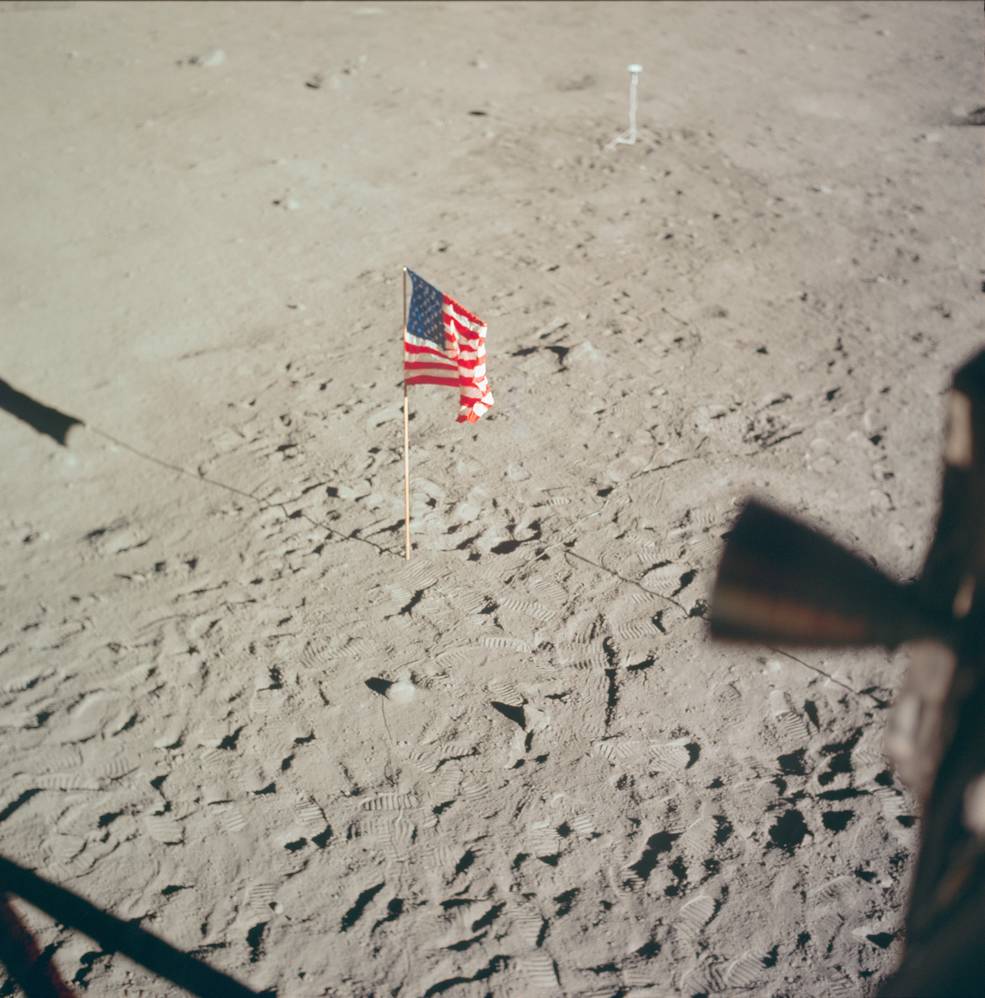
{"x": 212, "y": 58}
{"x": 584, "y": 352}
{"x": 552, "y": 327}
{"x": 349, "y": 493}
{"x": 402, "y": 691}
{"x": 171, "y": 738}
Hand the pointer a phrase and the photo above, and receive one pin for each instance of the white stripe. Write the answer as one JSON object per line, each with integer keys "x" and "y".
{"x": 476, "y": 327}
{"x": 478, "y": 408}
{"x": 428, "y": 362}
{"x": 438, "y": 372}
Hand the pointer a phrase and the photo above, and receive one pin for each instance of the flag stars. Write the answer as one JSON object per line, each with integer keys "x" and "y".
{"x": 424, "y": 319}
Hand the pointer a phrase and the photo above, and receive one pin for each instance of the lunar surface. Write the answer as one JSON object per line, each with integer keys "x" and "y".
{"x": 231, "y": 711}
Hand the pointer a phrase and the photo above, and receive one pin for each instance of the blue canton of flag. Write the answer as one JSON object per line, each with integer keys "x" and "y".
{"x": 424, "y": 320}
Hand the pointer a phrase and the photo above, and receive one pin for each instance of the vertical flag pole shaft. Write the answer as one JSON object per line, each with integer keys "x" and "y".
{"x": 406, "y": 442}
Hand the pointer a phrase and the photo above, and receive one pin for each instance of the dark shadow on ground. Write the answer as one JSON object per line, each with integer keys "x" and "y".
{"x": 36, "y": 414}
{"x": 57, "y": 425}
{"x": 112, "y": 934}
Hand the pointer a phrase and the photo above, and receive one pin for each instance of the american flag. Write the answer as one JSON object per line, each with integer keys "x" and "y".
{"x": 445, "y": 344}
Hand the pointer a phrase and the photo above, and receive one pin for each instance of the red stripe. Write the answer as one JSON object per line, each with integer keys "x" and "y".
{"x": 471, "y": 316}
{"x": 432, "y": 362}
{"x": 476, "y": 328}
{"x": 462, "y": 328}
{"x": 426, "y": 379}
{"x": 442, "y": 377}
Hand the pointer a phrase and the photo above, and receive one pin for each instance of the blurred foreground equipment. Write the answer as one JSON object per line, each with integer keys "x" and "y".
{"x": 781, "y": 581}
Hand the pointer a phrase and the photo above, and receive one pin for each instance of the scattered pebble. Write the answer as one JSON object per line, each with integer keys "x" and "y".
{"x": 402, "y": 691}
{"x": 212, "y": 58}
{"x": 584, "y": 352}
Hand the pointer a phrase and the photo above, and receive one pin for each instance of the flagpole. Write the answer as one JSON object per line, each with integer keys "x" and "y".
{"x": 406, "y": 441}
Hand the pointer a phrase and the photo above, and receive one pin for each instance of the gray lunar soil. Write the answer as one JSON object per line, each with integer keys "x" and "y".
{"x": 516, "y": 765}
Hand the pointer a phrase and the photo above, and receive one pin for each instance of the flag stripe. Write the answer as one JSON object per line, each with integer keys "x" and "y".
{"x": 416, "y": 348}
{"x": 469, "y": 334}
{"x": 445, "y": 344}
{"x": 427, "y": 379}
{"x": 453, "y": 306}
{"x": 413, "y": 365}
